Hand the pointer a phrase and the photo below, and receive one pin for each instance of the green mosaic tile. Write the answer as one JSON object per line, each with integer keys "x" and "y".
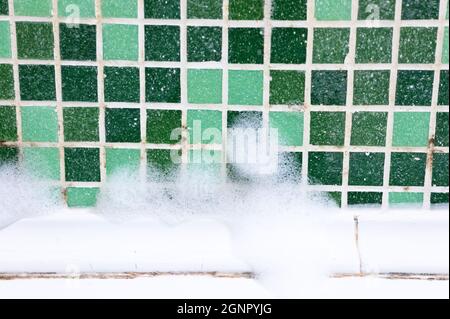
{"x": 371, "y": 87}
{"x": 82, "y": 197}
{"x": 244, "y": 119}
{"x": 162, "y": 9}
{"x": 419, "y": 9}
{"x": 162, "y": 165}
{"x": 246, "y": 9}
{"x": 76, "y": 8}
{"x": 81, "y": 124}
{"x": 333, "y": 10}
{"x": 33, "y": 8}
{"x": 39, "y": 124}
{"x": 374, "y": 45}
{"x": 289, "y": 167}
{"x": 369, "y": 129}
{"x": 289, "y": 9}
{"x": 376, "y": 10}
{"x": 82, "y": 164}
{"x": 162, "y": 43}
{"x": 325, "y": 168}
{"x": 443, "y": 88}
{"x": 407, "y": 169}
{"x": 119, "y": 8}
{"x": 442, "y": 129}
{"x": 245, "y": 87}
{"x": 204, "y": 44}
{"x": 411, "y": 129}
{"x": 439, "y": 198}
{"x": 122, "y": 84}
{"x": 204, "y": 126}
{"x": 289, "y": 45}
{"x": 162, "y": 85}
{"x": 204, "y": 9}
{"x": 205, "y": 162}
{"x": 122, "y": 159}
{"x": 123, "y": 125}
{"x": 4, "y": 7}
{"x": 440, "y": 169}
{"x": 289, "y": 126}
{"x": 366, "y": 169}
{"x": 9, "y": 155}
{"x": 327, "y": 128}
{"x": 205, "y": 86}
{"x": 42, "y": 162}
{"x": 417, "y": 45}
{"x": 35, "y": 40}
{"x": 364, "y": 198}
{"x": 6, "y": 82}
{"x": 414, "y": 88}
{"x": 287, "y": 87}
{"x": 405, "y": 198}
{"x": 78, "y": 44}
{"x": 329, "y": 88}
{"x": 120, "y": 42}
{"x": 8, "y": 127}
{"x": 445, "y": 50}
{"x": 246, "y": 45}
{"x": 5, "y": 40}
{"x": 37, "y": 82}
{"x": 331, "y": 45}
{"x": 161, "y": 125}
{"x": 79, "y": 83}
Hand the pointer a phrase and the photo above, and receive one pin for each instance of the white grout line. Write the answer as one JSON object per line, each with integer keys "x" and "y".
{"x": 267, "y": 32}
{"x": 142, "y": 98}
{"x": 184, "y": 80}
{"x": 224, "y": 108}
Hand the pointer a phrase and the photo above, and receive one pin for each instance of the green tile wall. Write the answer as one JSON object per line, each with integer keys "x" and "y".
{"x": 357, "y": 120}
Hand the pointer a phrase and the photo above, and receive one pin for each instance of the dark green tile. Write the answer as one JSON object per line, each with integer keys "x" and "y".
{"x": 329, "y": 88}
{"x": 443, "y": 88}
{"x": 376, "y": 10}
{"x": 204, "y": 9}
{"x": 204, "y": 44}
{"x": 414, "y": 88}
{"x": 79, "y": 83}
{"x": 6, "y": 82}
{"x": 246, "y": 9}
{"x": 4, "y": 8}
{"x": 374, "y": 45}
{"x": 371, "y": 88}
{"x": 34, "y": 40}
{"x": 289, "y": 45}
{"x": 442, "y": 130}
{"x": 161, "y": 125}
{"x": 78, "y": 44}
{"x": 37, "y": 82}
{"x": 439, "y": 198}
{"x": 8, "y": 127}
{"x": 162, "y": 85}
{"x": 162, "y": 9}
{"x": 289, "y": 167}
{"x": 364, "y": 198}
{"x": 369, "y": 129}
{"x": 9, "y": 155}
{"x": 325, "y": 168}
{"x": 366, "y": 169}
{"x": 244, "y": 119}
{"x": 417, "y": 45}
{"x": 440, "y": 169}
{"x": 81, "y": 124}
{"x": 330, "y": 45}
{"x": 289, "y": 10}
{"x": 408, "y": 169}
{"x": 82, "y": 164}
{"x": 420, "y": 9}
{"x": 161, "y": 164}
{"x": 246, "y": 45}
{"x": 123, "y": 125}
{"x": 162, "y": 43}
{"x": 122, "y": 84}
{"x": 327, "y": 128}
{"x": 287, "y": 87}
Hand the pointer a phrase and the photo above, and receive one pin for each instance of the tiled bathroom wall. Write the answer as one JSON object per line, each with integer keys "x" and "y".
{"x": 358, "y": 90}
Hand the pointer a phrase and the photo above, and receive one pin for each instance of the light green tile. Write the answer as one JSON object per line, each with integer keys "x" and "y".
{"x": 122, "y": 159}
{"x": 82, "y": 197}
{"x": 205, "y": 126}
{"x": 405, "y": 198}
{"x": 119, "y": 8}
{"x": 445, "y": 51}
{"x": 290, "y": 127}
{"x": 33, "y": 8}
{"x": 5, "y": 40}
{"x": 411, "y": 129}
{"x": 245, "y": 87}
{"x": 327, "y": 10}
{"x": 205, "y": 163}
{"x": 120, "y": 42}
{"x": 74, "y": 8}
{"x": 42, "y": 162}
{"x": 205, "y": 86}
{"x": 39, "y": 124}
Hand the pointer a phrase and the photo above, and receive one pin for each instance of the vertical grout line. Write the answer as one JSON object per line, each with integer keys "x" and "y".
{"x": 434, "y": 105}
{"x": 142, "y": 84}
{"x": 184, "y": 86}
{"x": 392, "y": 97}
{"x": 225, "y": 88}
{"x": 266, "y": 69}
